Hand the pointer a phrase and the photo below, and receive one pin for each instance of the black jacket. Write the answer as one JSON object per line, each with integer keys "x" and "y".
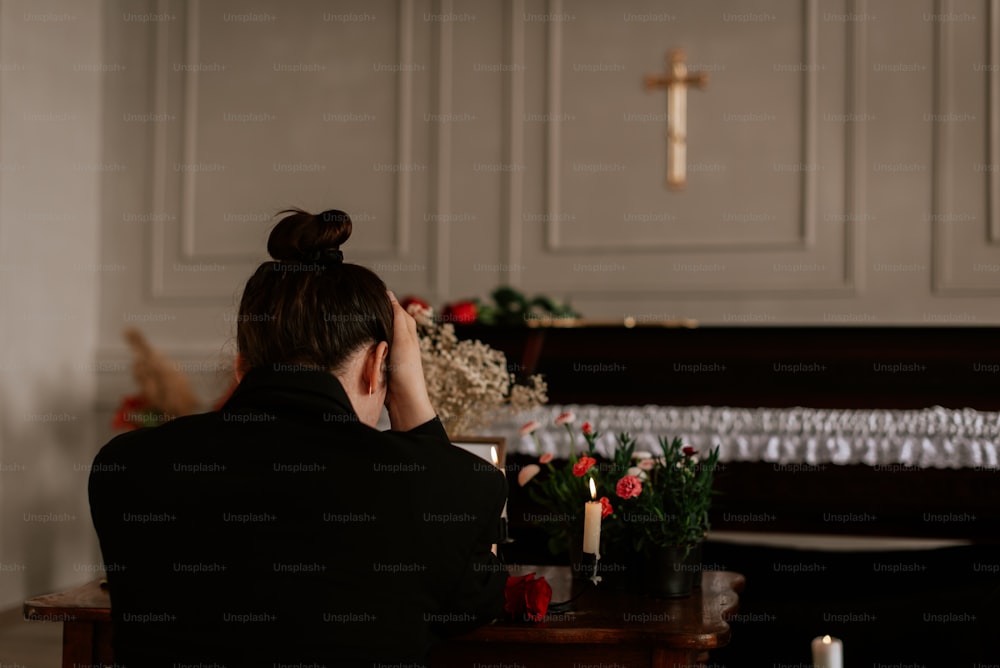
{"x": 281, "y": 530}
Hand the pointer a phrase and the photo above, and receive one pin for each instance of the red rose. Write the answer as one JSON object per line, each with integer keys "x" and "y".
{"x": 463, "y": 313}
{"x": 513, "y": 594}
{"x": 127, "y": 412}
{"x": 587, "y": 429}
{"x": 689, "y": 451}
{"x": 407, "y": 302}
{"x": 537, "y": 595}
{"x": 628, "y": 487}
{"x": 582, "y": 466}
{"x": 524, "y": 596}
{"x": 606, "y": 508}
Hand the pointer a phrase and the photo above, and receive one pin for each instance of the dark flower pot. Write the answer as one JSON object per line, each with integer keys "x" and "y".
{"x": 668, "y": 571}
{"x": 694, "y": 562}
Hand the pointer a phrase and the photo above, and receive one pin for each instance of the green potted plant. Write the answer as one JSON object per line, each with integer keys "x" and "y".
{"x": 664, "y": 503}
{"x": 654, "y": 509}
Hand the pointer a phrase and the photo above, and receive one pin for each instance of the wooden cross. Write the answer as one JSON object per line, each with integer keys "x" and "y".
{"x": 676, "y": 81}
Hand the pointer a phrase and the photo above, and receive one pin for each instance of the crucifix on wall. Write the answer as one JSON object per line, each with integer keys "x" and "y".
{"x": 676, "y": 82}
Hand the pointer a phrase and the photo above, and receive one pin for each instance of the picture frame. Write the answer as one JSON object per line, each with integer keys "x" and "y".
{"x": 481, "y": 447}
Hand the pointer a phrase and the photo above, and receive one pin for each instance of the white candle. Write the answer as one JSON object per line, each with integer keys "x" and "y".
{"x": 592, "y": 523}
{"x": 496, "y": 463}
{"x": 827, "y": 652}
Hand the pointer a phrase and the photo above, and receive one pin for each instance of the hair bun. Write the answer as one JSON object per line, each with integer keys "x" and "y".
{"x": 303, "y": 235}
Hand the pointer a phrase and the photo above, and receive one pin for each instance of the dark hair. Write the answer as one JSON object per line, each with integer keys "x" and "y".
{"x": 308, "y": 308}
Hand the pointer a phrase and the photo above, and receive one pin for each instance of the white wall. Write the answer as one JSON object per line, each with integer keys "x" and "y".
{"x": 843, "y": 170}
{"x": 51, "y": 167}
{"x": 831, "y": 180}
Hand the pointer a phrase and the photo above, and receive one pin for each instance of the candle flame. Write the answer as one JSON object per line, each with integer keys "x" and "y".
{"x": 593, "y": 492}
{"x": 827, "y": 640}
{"x": 493, "y": 455}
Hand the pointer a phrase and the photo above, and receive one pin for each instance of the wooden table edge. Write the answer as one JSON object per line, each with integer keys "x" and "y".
{"x": 502, "y": 632}
{"x": 53, "y": 607}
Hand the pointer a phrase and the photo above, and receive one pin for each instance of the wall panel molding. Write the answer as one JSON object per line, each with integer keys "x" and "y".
{"x": 513, "y": 180}
{"x": 944, "y": 251}
{"x": 441, "y": 188}
{"x": 852, "y": 240}
{"x": 175, "y": 259}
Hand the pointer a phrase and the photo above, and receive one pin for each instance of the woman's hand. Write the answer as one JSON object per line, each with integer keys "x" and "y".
{"x": 406, "y": 398}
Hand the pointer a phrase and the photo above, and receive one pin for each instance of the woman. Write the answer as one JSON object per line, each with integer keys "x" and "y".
{"x": 284, "y": 528}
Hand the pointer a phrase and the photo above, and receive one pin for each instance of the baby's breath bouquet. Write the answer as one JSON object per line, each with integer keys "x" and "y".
{"x": 468, "y": 381}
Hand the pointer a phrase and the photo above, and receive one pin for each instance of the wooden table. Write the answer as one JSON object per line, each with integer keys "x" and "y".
{"x": 86, "y": 616}
{"x": 607, "y": 627}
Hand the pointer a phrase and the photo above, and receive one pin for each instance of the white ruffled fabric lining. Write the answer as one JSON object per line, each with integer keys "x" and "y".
{"x": 928, "y": 438}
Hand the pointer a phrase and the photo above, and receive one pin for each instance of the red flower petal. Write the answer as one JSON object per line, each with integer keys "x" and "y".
{"x": 514, "y": 592}
{"x": 582, "y": 466}
{"x": 130, "y": 406}
{"x": 537, "y": 595}
{"x": 628, "y": 487}
{"x": 463, "y": 313}
{"x": 606, "y": 507}
{"x": 410, "y": 300}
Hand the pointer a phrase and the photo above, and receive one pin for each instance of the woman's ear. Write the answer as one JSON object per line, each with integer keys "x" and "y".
{"x": 375, "y": 366}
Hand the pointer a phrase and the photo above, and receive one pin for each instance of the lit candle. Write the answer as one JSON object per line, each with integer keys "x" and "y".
{"x": 827, "y": 652}
{"x": 592, "y": 523}
{"x": 503, "y": 513}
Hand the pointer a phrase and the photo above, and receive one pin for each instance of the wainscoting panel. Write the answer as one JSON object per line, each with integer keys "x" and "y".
{"x": 966, "y": 122}
{"x": 270, "y": 109}
{"x": 842, "y": 161}
{"x": 769, "y": 126}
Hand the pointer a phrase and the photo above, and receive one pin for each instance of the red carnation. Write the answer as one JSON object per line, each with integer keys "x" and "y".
{"x": 582, "y": 466}
{"x": 463, "y": 313}
{"x": 587, "y": 429}
{"x": 628, "y": 487}
{"x": 689, "y": 451}
{"x": 606, "y": 508}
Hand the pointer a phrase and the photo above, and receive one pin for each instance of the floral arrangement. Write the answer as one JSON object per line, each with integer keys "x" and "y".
{"x": 562, "y": 490}
{"x": 164, "y": 391}
{"x": 665, "y": 500}
{"x": 646, "y": 501}
{"x": 468, "y": 382}
{"x": 508, "y": 307}
{"x": 511, "y": 307}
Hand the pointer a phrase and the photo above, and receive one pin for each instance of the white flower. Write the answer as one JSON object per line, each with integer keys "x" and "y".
{"x": 638, "y": 473}
{"x": 468, "y": 382}
{"x": 642, "y": 454}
